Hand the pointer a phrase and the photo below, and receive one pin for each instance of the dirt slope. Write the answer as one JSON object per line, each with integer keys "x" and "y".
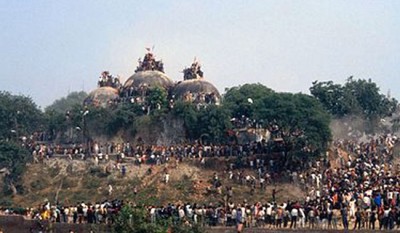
{"x": 72, "y": 181}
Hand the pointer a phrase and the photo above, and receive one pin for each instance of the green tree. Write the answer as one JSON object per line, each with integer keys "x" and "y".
{"x": 296, "y": 113}
{"x": 19, "y": 116}
{"x": 355, "y": 97}
{"x": 136, "y": 220}
{"x": 189, "y": 114}
{"x": 125, "y": 116}
{"x": 157, "y": 99}
{"x": 56, "y": 124}
{"x": 13, "y": 157}
{"x": 239, "y": 100}
{"x": 67, "y": 103}
{"x": 61, "y": 116}
{"x": 335, "y": 99}
{"x": 211, "y": 121}
{"x": 368, "y": 96}
{"x": 214, "y": 121}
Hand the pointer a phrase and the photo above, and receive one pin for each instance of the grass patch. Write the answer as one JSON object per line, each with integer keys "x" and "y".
{"x": 6, "y": 202}
{"x": 97, "y": 171}
{"x": 38, "y": 185}
{"x": 53, "y": 171}
{"x": 79, "y": 197}
{"x": 91, "y": 183}
{"x": 70, "y": 183}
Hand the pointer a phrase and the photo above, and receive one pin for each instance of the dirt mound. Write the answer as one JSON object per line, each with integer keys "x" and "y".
{"x": 72, "y": 181}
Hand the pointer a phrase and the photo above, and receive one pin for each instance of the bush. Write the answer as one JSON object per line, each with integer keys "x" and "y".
{"x": 37, "y": 185}
{"x": 135, "y": 220}
{"x": 98, "y": 172}
{"x": 53, "y": 171}
{"x": 6, "y": 202}
{"x": 69, "y": 183}
{"x": 91, "y": 183}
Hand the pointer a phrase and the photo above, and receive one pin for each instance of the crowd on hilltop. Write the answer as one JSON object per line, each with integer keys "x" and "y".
{"x": 257, "y": 155}
{"x": 107, "y": 80}
{"x": 358, "y": 188}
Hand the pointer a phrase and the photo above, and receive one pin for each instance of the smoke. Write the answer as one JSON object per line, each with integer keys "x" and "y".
{"x": 360, "y": 129}
{"x": 349, "y": 127}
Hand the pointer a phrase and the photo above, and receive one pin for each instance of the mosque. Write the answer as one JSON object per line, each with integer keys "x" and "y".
{"x": 150, "y": 74}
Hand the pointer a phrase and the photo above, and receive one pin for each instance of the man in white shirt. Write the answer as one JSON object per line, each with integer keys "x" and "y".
{"x": 294, "y": 213}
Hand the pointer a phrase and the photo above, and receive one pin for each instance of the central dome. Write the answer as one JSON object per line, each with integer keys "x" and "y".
{"x": 149, "y": 78}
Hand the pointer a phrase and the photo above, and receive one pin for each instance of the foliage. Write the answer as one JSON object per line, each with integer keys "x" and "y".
{"x": 210, "y": 121}
{"x": 213, "y": 121}
{"x": 65, "y": 116}
{"x": 136, "y": 220}
{"x": 188, "y": 113}
{"x": 19, "y": 116}
{"x": 67, "y": 103}
{"x": 37, "y": 185}
{"x": 157, "y": 99}
{"x": 358, "y": 97}
{"x": 99, "y": 121}
{"x": 13, "y": 157}
{"x": 93, "y": 183}
{"x": 238, "y": 100}
{"x": 56, "y": 123}
{"x": 294, "y": 113}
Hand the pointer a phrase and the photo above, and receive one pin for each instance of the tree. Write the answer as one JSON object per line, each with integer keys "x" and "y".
{"x": 302, "y": 120}
{"x": 125, "y": 116}
{"x": 188, "y": 113}
{"x": 355, "y": 97}
{"x": 19, "y": 116}
{"x": 239, "y": 100}
{"x": 214, "y": 121}
{"x": 61, "y": 116}
{"x": 135, "y": 220}
{"x": 372, "y": 103}
{"x": 210, "y": 120}
{"x": 67, "y": 103}
{"x": 157, "y": 99}
{"x": 13, "y": 157}
{"x": 335, "y": 99}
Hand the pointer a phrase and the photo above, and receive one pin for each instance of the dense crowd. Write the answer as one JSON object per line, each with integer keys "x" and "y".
{"x": 358, "y": 189}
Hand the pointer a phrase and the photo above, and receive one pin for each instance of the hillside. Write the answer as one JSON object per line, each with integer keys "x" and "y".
{"x": 72, "y": 181}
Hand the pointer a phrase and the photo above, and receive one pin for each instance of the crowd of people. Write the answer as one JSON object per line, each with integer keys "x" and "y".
{"x": 150, "y": 63}
{"x": 107, "y": 80}
{"x": 355, "y": 186}
{"x": 194, "y": 72}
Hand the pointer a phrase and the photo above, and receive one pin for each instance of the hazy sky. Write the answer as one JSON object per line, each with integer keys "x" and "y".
{"x": 50, "y": 48}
